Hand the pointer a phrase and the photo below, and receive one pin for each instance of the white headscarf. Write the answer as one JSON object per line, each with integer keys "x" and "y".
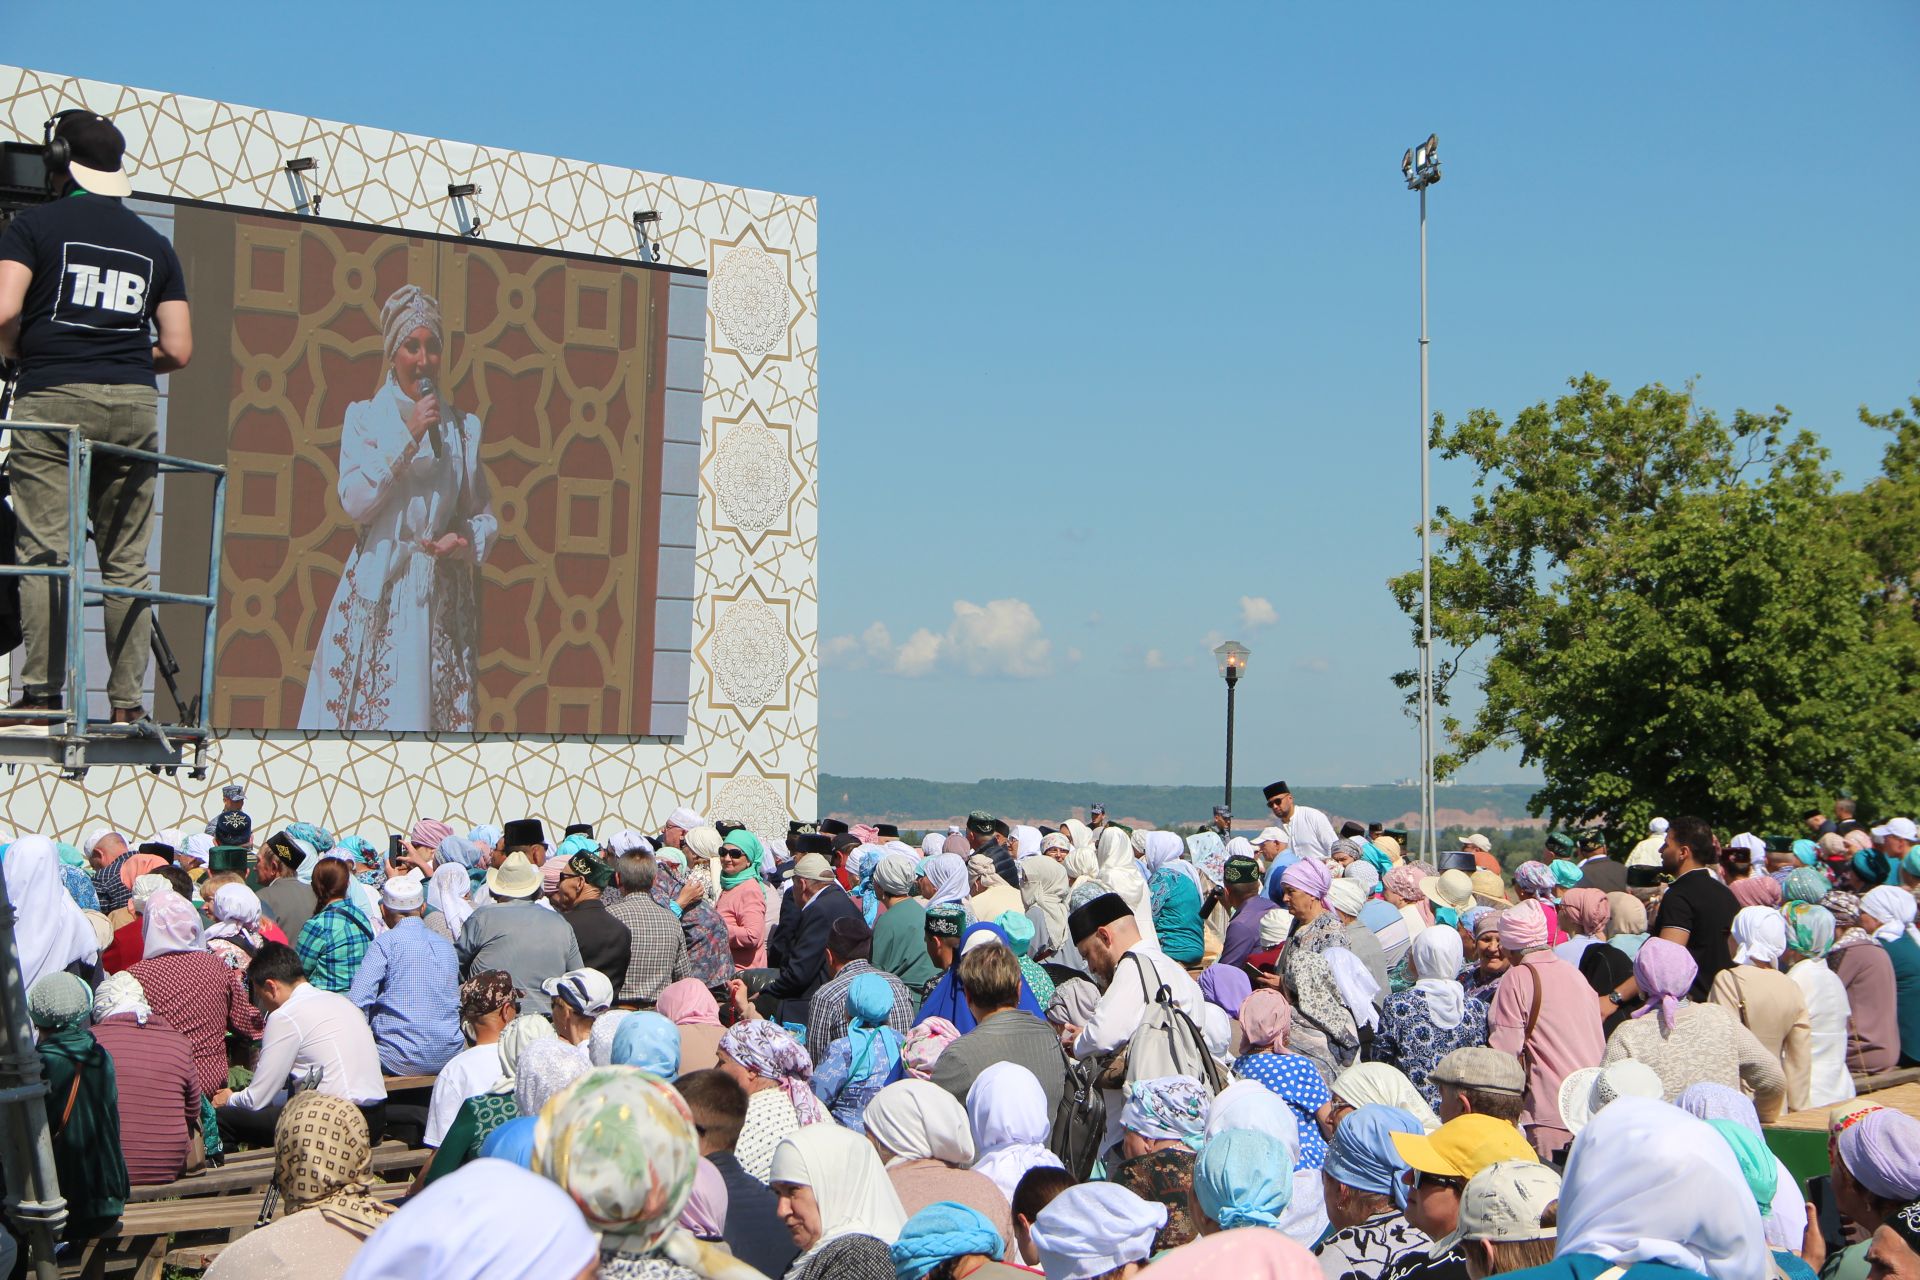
{"x": 1008, "y": 1110}
{"x": 1383, "y": 1083}
{"x": 948, "y": 875}
{"x": 854, "y": 1194}
{"x": 121, "y": 993}
{"x": 1357, "y": 986}
{"x": 236, "y": 911}
{"x": 1026, "y": 841}
{"x": 1117, "y": 870}
{"x": 1437, "y": 957}
{"x": 1093, "y": 1228}
{"x": 48, "y": 926}
{"x": 1248, "y": 1104}
{"x": 1648, "y": 1183}
{"x": 931, "y": 843}
{"x": 434, "y": 1236}
{"x": 170, "y": 924}
{"x": 1761, "y": 933}
{"x": 1043, "y": 887}
{"x": 1079, "y": 833}
{"x": 918, "y": 1120}
{"x": 450, "y": 893}
{"x": 1166, "y": 849}
{"x": 517, "y": 1034}
{"x": 1893, "y": 907}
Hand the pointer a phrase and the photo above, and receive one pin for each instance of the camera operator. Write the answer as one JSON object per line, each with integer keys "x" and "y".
{"x": 85, "y": 285}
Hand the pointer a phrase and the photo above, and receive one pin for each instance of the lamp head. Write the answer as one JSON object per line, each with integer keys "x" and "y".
{"x": 1232, "y": 657}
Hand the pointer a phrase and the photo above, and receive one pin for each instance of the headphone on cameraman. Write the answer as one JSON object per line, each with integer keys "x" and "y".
{"x": 59, "y": 151}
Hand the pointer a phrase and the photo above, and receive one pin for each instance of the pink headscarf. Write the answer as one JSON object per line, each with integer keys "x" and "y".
{"x": 706, "y": 1212}
{"x": 1265, "y": 1017}
{"x": 1585, "y": 911}
{"x": 171, "y": 925}
{"x": 1404, "y": 881}
{"x": 138, "y": 865}
{"x": 1665, "y": 972}
{"x": 1310, "y": 877}
{"x": 924, "y": 1045}
{"x": 429, "y": 832}
{"x": 1523, "y": 928}
{"x": 1246, "y": 1253}
{"x": 687, "y": 1003}
{"x": 1757, "y": 891}
{"x": 867, "y": 834}
{"x": 1858, "y": 841}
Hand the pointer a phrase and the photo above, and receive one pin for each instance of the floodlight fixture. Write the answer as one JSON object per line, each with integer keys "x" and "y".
{"x": 1420, "y": 166}
{"x": 306, "y": 192}
{"x": 460, "y": 193}
{"x": 646, "y": 232}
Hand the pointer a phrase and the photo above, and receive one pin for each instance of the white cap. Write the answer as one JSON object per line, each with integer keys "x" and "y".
{"x": 1477, "y": 841}
{"x": 1586, "y": 1091}
{"x": 1902, "y": 828}
{"x": 685, "y": 819}
{"x": 402, "y": 893}
{"x": 1268, "y": 834}
{"x": 1506, "y": 1200}
{"x": 586, "y": 991}
{"x": 196, "y": 846}
{"x": 1657, "y": 827}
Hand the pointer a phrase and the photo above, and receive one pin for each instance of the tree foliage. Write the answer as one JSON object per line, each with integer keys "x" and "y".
{"x": 1672, "y": 613}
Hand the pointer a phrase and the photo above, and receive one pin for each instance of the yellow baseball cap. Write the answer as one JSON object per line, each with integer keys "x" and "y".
{"x": 1463, "y": 1146}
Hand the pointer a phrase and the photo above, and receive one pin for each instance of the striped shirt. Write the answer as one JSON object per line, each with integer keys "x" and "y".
{"x": 198, "y": 996}
{"x": 408, "y": 985}
{"x": 157, "y": 1093}
{"x": 332, "y": 945}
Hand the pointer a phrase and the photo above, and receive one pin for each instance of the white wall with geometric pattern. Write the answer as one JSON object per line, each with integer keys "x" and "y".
{"x": 750, "y": 750}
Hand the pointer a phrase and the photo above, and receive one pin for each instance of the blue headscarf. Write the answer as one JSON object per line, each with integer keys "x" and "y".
{"x": 512, "y": 1141}
{"x": 319, "y": 838}
{"x": 1362, "y": 1154}
{"x": 946, "y": 1000}
{"x": 1806, "y": 851}
{"x": 1243, "y": 1179}
{"x": 367, "y": 863}
{"x": 863, "y": 865}
{"x": 940, "y": 1231}
{"x": 486, "y": 835}
{"x": 651, "y": 1042}
{"x": 875, "y": 1045}
{"x": 578, "y": 842}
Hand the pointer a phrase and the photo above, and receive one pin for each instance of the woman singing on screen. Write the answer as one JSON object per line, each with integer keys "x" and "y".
{"x": 398, "y": 647}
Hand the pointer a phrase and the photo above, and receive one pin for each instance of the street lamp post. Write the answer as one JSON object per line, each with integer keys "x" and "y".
{"x": 1420, "y": 166}
{"x": 1233, "y": 664}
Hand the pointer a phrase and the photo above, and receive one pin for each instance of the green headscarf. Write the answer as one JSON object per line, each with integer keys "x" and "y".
{"x": 748, "y": 843}
{"x": 1566, "y": 873}
{"x": 1812, "y": 927}
{"x": 59, "y": 1002}
{"x": 1756, "y": 1162}
{"x": 70, "y": 856}
{"x": 1376, "y": 857}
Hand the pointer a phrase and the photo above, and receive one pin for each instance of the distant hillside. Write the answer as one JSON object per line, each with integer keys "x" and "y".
{"x": 918, "y": 803}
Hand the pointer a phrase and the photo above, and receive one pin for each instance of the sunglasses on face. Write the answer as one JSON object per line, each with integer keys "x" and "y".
{"x": 1413, "y": 1178}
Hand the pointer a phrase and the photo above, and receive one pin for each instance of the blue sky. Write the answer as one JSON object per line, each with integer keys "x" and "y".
{"x": 1119, "y": 306}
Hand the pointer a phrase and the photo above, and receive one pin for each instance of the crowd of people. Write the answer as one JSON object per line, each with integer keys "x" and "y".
{"x": 1084, "y": 1050}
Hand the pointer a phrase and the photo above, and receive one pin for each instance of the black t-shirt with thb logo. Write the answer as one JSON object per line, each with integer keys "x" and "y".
{"x": 99, "y": 273}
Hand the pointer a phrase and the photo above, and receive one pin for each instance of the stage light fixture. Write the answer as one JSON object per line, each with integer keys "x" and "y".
{"x": 1406, "y": 164}
{"x": 460, "y": 193}
{"x": 1420, "y": 165}
{"x": 646, "y": 223}
{"x": 306, "y": 196}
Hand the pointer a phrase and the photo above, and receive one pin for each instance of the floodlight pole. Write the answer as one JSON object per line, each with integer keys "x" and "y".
{"x": 1429, "y": 839}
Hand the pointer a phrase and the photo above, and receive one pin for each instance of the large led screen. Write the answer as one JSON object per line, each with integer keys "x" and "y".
{"x": 445, "y": 501}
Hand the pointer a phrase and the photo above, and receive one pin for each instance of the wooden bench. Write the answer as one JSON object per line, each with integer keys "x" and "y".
{"x": 253, "y": 1170}
{"x": 399, "y": 1084}
{"x": 1885, "y": 1080}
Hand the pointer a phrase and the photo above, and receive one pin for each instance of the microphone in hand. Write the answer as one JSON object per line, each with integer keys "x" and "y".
{"x": 433, "y": 432}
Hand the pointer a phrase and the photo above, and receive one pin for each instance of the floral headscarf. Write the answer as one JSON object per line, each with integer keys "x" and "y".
{"x": 545, "y": 1068}
{"x": 623, "y": 1145}
{"x": 1209, "y": 853}
{"x": 322, "y": 1159}
{"x": 1167, "y": 1107}
{"x": 1536, "y": 880}
{"x": 1806, "y": 885}
{"x": 1845, "y": 909}
{"x": 769, "y": 1051}
{"x": 924, "y": 1045}
{"x": 1812, "y": 928}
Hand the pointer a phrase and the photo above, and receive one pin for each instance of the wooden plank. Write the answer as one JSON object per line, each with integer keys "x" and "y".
{"x": 1903, "y": 1097}
{"x": 1886, "y": 1080}
{"x": 210, "y": 1213}
{"x": 396, "y": 1083}
{"x": 239, "y": 1174}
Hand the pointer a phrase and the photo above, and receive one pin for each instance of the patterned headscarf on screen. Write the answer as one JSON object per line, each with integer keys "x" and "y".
{"x": 409, "y": 307}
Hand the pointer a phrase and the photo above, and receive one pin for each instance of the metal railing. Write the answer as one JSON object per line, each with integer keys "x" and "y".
{"x": 73, "y": 717}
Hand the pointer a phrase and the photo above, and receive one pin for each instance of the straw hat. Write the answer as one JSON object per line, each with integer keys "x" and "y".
{"x": 1453, "y": 889}
{"x": 514, "y": 878}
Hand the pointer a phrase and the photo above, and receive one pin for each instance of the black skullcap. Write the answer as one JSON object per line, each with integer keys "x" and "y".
{"x": 581, "y": 829}
{"x": 1398, "y": 833}
{"x": 1000, "y": 827}
{"x": 810, "y": 842}
{"x": 1273, "y": 789}
{"x": 850, "y": 939}
{"x": 843, "y": 843}
{"x": 1350, "y": 829}
{"x": 833, "y": 826}
{"x": 158, "y": 850}
{"x": 1102, "y": 911}
{"x": 232, "y": 827}
{"x": 286, "y": 850}
{"x": 1775, "y": 844}
{"x": 523, "y": 831}
{"x": 1642, "y": 877}
{"x": 727, "y": 826}
{"x": 887, "y": 831}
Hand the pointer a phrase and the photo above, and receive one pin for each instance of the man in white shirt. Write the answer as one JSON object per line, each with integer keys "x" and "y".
{"x": 488, "y": 1002}
{"x": 311, "y": 1035}
{"x": 1309, "y": 832}
{"x": 1109, "y": 939}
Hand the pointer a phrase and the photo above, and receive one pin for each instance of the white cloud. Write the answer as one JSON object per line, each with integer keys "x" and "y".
{"x": 999, "y": 638}
{"x": 1155, "y": 660}
{"x": 1257, "y": 612}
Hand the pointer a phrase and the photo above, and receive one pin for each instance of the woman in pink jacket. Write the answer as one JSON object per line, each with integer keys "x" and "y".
{"x": 742, "y": 904}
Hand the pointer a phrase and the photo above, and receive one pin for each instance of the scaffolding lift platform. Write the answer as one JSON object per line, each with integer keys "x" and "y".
{"x": 70, "y": 739}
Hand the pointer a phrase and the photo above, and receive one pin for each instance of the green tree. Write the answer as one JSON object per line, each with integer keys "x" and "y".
{"x": 1672, "y": 613}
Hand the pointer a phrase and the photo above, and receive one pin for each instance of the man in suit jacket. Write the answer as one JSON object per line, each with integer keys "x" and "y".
{"x": 818, "y": 901}
{"x": 1003, "y": 1032}
{"x": 1597, "y": 869}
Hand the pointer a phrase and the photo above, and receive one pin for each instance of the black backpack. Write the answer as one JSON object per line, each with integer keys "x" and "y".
{"x": 1080, "y": 1121}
